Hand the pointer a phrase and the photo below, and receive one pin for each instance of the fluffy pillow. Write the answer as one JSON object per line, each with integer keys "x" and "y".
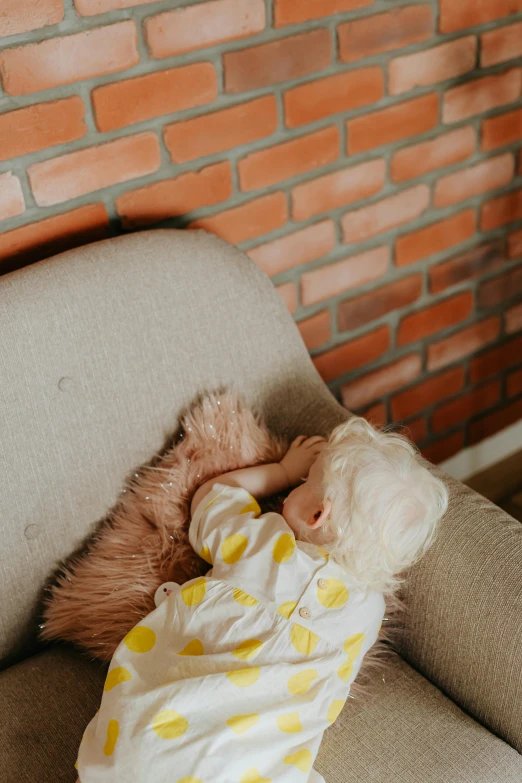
{"x": 99, "y": 595}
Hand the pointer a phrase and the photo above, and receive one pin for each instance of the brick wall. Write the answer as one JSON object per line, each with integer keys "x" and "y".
{"x": 365, "y": 153}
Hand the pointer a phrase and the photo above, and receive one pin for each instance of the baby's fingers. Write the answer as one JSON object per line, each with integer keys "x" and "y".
{"x": 315, "y": 439}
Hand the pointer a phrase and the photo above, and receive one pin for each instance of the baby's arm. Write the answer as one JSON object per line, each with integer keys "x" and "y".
{"x": 264, "y": 480}
{"x": 260, "y": 481}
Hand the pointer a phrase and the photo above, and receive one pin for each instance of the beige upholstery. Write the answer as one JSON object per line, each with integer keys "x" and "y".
{"x": 102, "y": 348}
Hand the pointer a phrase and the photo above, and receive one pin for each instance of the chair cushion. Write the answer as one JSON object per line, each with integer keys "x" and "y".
{"x": 405, "y": 731}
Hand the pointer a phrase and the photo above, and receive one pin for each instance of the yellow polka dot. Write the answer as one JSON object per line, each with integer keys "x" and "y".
{"x": 190, "y": 779}
{"x": 287, "y": 608}
{"x": 302, "y": 760}
{"x": 284, "y": 548}
{"x": 233, "y": 547}
{"x": 242, "y": 678}
{"x": 323, "y": 552}
{"x": 140, "y": 640}
{"x": 252, "y": 506}
{"x": 169, "y": 724}
{"x": 194, "y": 593}
{"x": 194, "y": 647}
{"x": 76, "y": 764}
{"x": 113, "y": 729}
{"x": 244, "y": 599}
{"x": 115, "y": 676}
{"x": 303, "y": 640}
{"x": 206, "y": 555}
{"x": 334, "y": 595}
{"x": 301, "y": 681}
{"x": 334, "y": 709}
{"x": 353, "y": 645}
{"x": 248, "y": 649}
{"x": 252, "y": 775}
{"x": 345, "y": 670}
{"x": 241, "y": 723}
{"x": 289, "y": 723}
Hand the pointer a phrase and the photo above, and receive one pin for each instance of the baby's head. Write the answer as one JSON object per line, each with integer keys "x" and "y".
{"x": 370, "y": 502}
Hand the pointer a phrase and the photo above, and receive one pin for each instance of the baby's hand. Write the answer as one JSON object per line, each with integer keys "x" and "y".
{"x": 301, "y": 456}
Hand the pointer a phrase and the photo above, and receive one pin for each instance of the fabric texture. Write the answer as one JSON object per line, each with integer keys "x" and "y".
{"x": 235, "y": 676}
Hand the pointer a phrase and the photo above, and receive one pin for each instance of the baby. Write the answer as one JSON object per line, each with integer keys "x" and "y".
{"x": 235, "y": 676}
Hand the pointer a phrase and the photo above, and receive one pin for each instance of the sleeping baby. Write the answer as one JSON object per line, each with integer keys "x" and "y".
{"x": 235, "y": 676}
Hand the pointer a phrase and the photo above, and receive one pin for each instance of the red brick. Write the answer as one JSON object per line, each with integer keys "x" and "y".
{"x": 501, "y": 130}
{"x": 249, "y": 220}
{"x": 515, "y": 244}
{"x": 39, "y": 66}
{"x": 333, "y": 94}
{"x": 221, "y": 130}
{"x": 288, "y": 293}
{"x": 277, "y": 61}
{"x": 383, "y": 32}
{"x": 53, "y": 235}
{"x": 20, "y": 16}
{"x": 514, "y": 319}
{"x": 333, "y": 279}
{"x": 422, "y": 69}
{"x": 295, "y": 249}
{"x": 433, "y": 319}
{"x": 469, "y": 13}
{"x": 93, "y": 7}
{"x": 205, "y": 24}
{"x": 397, "y": 122}
{"x": 492, "y": 423}
{"x": 294, "y": 11}
{"x": 435, "y": 238}
{"x": 427, "y": 156}
{"x": 480, "y": 95}
{"x": 11, "y": 197}
{"x": 427, "y": 393}
{"x": 85, "y": 171}
{"x": 463, "y": 408}
{"x": 497, "y": 46}
{"x": 501, "y": 210}
{"x": 337, "y": 189}
{"x": 499, "y": 289}
{"x": 40, "y": 126}
{"x": 283, "y": 161}
{"x": 467, "y": 266}
{"x": 496, "y": 360}
{"x": 356, "y": 353}
{"x": 378, "y": 383}
{"x": 360, "y": 224}
{"x": 134, "y": 100}
{"x": 466, "y": 183}
{"x": 315, "y": 330}
{"x": 443, "y": 449}
{"x": 464, "y": 343}
{"x": 362, "y": 309}
{"x": 514, "y": 383}
{"x": 172, "y": 197}
{"x": 416, "y": 430}
{"x": 376, "y": 415}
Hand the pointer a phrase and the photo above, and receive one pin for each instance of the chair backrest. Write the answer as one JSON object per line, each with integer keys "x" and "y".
{"x": 101, "y": 350}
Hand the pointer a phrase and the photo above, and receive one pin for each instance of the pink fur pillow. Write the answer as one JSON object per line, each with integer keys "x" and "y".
{"x": 99, "y": 595}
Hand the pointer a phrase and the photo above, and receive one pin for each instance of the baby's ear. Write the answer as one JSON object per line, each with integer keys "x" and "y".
{"x": 320, "y": 517}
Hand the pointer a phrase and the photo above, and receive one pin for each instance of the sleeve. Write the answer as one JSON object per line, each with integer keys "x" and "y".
{"x": 222, "y": 512}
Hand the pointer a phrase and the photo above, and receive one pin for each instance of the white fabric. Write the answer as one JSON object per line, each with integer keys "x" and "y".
{"x": 234, "y": 677}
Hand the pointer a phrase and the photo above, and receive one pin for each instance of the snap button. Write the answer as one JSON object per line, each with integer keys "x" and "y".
{"x": 322, "y": 584}
{"x": 304, "y": 613}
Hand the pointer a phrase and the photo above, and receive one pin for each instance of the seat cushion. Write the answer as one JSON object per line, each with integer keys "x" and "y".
{"x": 405, "y": 731}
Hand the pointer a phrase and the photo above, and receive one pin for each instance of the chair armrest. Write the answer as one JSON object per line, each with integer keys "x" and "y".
{"x": 463, "y": 625}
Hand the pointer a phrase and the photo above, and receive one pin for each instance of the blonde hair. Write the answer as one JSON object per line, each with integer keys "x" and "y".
{"x": 386, "y": 504}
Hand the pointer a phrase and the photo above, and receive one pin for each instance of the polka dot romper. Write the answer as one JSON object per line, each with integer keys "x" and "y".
{"x": 234, "y": 677}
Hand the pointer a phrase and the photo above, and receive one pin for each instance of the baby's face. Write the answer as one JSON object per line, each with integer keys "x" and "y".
{"x": 305, "y": 503}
